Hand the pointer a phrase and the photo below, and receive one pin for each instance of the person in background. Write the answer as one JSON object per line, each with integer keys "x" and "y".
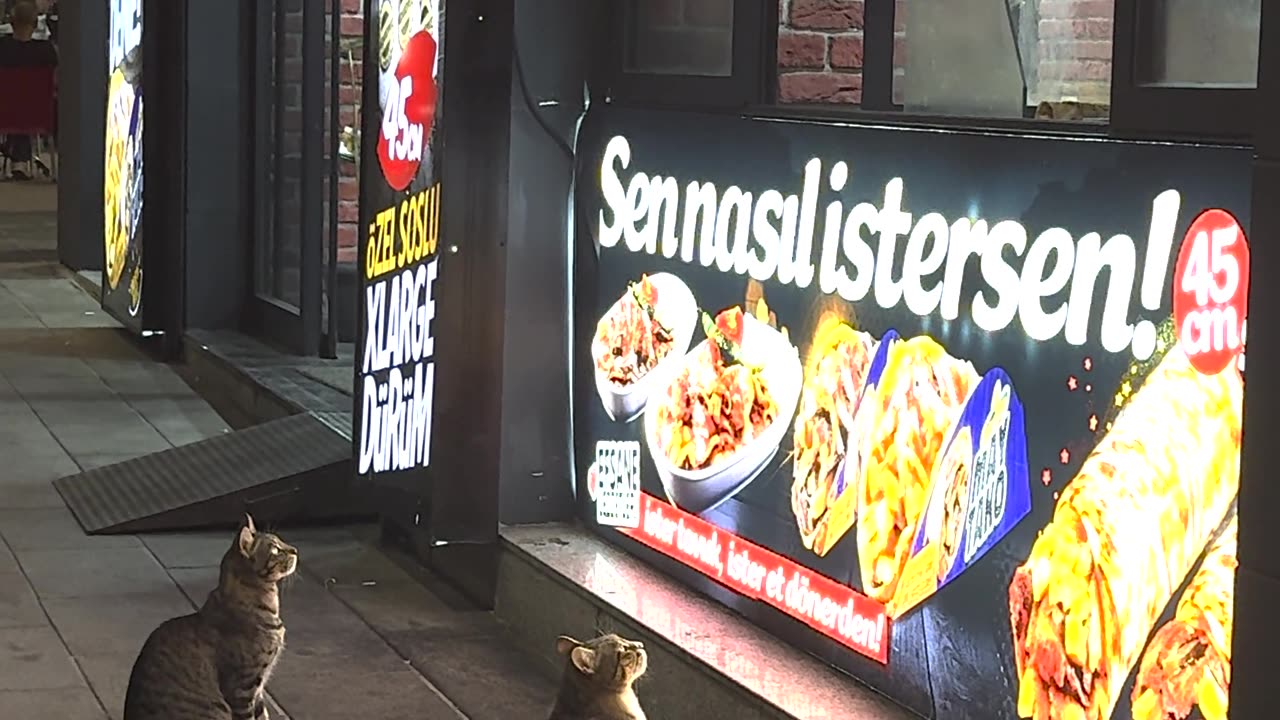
{"x": 20, "y": 50}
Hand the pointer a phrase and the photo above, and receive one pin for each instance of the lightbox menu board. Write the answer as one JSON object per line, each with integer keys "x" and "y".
{"x": 966, "y": 406}
{"x": 123, "y": 179}
{"x": 399, "y": 259}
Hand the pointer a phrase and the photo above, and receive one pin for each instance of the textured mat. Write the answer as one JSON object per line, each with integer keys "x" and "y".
{"x": 211, "y": 481}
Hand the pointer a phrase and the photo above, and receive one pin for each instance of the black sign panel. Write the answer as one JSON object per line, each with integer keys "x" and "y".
{"x": 958, "y": 412}
{"x": 399, "y": 250}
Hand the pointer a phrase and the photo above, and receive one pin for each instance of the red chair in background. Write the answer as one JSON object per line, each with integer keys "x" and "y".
{"x": 29, "y": 107}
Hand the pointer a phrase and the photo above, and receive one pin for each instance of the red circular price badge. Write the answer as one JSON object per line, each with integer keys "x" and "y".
{"x": 409, "y": 112}
{"x": 1211, "y": 291}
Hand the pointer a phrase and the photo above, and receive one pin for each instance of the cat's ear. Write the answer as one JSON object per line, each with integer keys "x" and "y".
{"x": 248, "y": 523}
{"x": 245, "y": 541}
{"x": 584, "y": 658}
{"x": 566, "y": 644}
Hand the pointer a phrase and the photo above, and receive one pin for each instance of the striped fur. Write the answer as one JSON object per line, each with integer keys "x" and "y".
{"x": 599, "y": 678}
{"x": 214, "y": 664}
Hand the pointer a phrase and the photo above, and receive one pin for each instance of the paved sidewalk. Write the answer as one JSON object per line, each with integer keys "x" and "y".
{"x": 368, "y": 635}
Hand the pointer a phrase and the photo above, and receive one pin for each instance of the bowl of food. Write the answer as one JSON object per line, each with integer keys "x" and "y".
{"x": 724, "y": 410}
{"x": 642, "y": 336}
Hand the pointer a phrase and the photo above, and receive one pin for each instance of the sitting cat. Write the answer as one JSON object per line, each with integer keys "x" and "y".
{"x": 598, "y": 679}
{"x": 214, "y": 663}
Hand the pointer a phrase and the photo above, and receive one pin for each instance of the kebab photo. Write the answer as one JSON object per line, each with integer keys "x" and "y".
{"x": 823, "y": 500}
{"x": 1187, "y": 664}
{"x": 917, "y": 399}
{"x": 1125, "y": 533}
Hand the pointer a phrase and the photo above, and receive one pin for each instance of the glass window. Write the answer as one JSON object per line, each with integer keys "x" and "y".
{"x": 1017, "y": 58}
{"x": 1205, "y": 42}
{"x": 680, "y": 37}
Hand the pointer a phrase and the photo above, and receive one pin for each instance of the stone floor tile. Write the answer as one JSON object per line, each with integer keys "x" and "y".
{"x": 104, "y": 572}
{"x": 53, "y": 529}
{"x": 35, "y": 659}
{"x": 189, "y": 550}
{"x": 91, "y": 626}
{"x": 343, "y": 694}
{"x": 65, "y": 704}
{"x": 18, "y": 604}
{"x": 108, "y": 675}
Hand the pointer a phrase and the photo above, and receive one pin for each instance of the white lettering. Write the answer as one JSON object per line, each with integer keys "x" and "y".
{"x": 770, "y": 235}
{"x": 395, "y": 418}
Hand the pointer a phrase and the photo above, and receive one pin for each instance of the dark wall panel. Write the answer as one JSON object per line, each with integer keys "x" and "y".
{"x": 82, "y": 108}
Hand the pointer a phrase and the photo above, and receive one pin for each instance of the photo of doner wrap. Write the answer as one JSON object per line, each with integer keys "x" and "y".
{"x": 1126, "y": 532}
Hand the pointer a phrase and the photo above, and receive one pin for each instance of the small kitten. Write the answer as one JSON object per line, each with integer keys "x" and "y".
{"x": 214, "y": 663}
{"x": 598, "y": 679}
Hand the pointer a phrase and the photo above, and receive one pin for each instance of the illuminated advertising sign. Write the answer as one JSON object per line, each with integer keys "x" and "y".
{"x": 122, "y": 185}
{"x": 967, "y": 407}
{"x": 399, "y": 259}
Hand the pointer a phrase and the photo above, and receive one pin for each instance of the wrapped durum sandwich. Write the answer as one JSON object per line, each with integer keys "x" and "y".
{"x": 1125, "y": 533}
{"x": 1188, "y": 662}
{"x": 917, "y": 399}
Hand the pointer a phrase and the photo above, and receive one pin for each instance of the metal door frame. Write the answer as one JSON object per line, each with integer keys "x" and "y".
{"x": 296, "y": 329}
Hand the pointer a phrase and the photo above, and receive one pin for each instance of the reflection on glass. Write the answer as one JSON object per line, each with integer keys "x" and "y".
{"x": 1061, "y": 49}
{"x": 679, "y": 37}
{"x": 1206, "y": 42}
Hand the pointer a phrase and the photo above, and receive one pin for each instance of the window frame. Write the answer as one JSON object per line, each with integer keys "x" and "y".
{"x": 1146, "y": 110}
{"x": 1137, "y": 111}
{"x": 754, "y": 52}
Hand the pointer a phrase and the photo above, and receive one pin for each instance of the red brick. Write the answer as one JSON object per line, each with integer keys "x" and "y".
{"x": 846, "y": 52}
{"x": 1091, "y": 50}
{"x": 826, "y": 14}
{"x": 349, "y": 211}
{"x": 346, "y": 255}
{"x": 1075, "y": 29}
{"x": 708, "y": 13}
{"x": 348, "y": 94}
{"x": 348, "y": 187}
{"x": 352, "y": 25}
{"x": 347, "y": 116}
{"x": 815, "y": 87}
{"x": 802, "y": 50}
{"x": 1077, "y": 9}
{"x": 353, "y": 6}
{"x": 346, "y": 237}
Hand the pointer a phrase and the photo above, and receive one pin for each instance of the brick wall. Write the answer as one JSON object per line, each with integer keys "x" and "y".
{"x": 820, "y": 51}
{"x": 1075, "y": 50}
{"x": 349, "y": 97}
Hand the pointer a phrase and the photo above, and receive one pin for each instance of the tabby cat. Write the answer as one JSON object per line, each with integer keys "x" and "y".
{"x": 214, "y": 663}
{"x": 598, "y": 679}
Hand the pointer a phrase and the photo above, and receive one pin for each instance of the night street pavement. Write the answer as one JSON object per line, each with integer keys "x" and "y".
{"x": 369, "y": 635}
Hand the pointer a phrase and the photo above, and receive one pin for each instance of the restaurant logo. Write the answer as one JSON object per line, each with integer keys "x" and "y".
{"x": 407, "y": 92}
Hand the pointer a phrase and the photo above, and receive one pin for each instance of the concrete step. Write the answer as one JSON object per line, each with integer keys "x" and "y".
{"x": 704, "y": 661}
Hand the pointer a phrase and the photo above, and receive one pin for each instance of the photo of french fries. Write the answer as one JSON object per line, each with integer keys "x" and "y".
{"x": 823, "y": 500}
{"x": 1187, "y": 664}
{"x": 918, "y": 398}
{"x": 1125, "y": 534}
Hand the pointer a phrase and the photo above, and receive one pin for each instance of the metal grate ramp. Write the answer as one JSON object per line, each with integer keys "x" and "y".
{"x": 290, "y": 469}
